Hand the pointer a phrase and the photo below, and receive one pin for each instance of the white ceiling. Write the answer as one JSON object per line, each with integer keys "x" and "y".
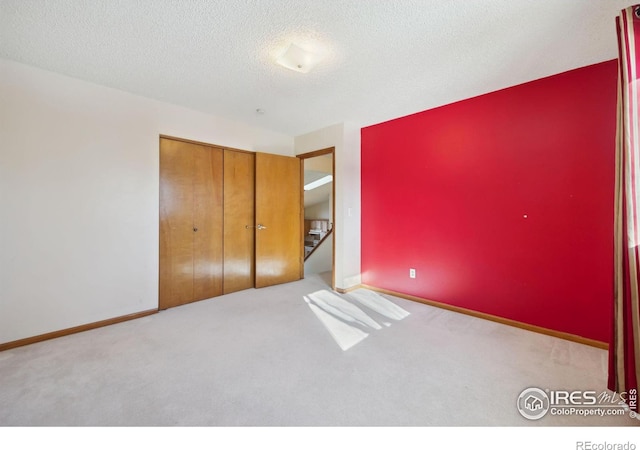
{"x": 384, "y": 58}
{"x": 315, "y": 168}
{"x": 320, "y": 194}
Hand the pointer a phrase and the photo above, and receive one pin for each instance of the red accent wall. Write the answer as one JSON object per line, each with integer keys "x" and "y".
{"x": 503, "y": 203}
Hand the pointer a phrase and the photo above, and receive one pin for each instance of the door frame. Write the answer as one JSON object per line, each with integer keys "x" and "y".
{"x": 313, "y": 154}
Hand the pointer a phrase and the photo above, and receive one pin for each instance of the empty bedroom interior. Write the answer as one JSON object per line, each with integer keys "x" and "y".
{"x": 152, "y": 189}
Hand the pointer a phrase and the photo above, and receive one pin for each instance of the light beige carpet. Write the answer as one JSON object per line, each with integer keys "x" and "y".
{"x": 262, "y": 358}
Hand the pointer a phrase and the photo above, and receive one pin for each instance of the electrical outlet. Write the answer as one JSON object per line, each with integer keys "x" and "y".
{"x": 412, "y": 273}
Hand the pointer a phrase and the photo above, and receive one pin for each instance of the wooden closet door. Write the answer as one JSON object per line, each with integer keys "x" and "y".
{"x": 278, "y": 218}
{"x": 239, "y": 186}
{"x": 190, "y": 222}
{"x": 176, "y": 220}
{"x": 207, "y": 222}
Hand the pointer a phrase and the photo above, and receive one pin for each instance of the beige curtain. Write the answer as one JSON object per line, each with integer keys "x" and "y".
{"x": 624, "y": 351}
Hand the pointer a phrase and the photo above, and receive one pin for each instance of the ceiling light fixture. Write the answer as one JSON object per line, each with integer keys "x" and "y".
{"x": 298, "y": 59}
{"x": 322, "y": 181}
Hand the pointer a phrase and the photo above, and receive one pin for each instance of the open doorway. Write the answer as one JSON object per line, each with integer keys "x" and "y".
{"x": 319, "y": 214}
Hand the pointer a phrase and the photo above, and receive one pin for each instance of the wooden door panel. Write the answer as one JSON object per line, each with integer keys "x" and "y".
{"x": 278, "y": 200}
{"x": 176, "y": 234}
{"x": 239, "y": 187}
{"x": 207, "y": 222}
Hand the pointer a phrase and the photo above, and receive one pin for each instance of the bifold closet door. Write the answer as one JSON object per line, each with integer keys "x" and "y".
{"x": 190, "y": 222}
{"x": 239, "y": 208}
{"x": 176, "y": 214}
{"x": 278, "y": 219}
{"x": 207, "y": 222}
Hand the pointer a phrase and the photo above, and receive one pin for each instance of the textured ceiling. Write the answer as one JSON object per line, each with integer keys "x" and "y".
{"x": 383, "y": 58}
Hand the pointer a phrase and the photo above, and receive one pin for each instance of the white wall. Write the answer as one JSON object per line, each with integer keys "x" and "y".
{"x": 346, "y": 140}
{"x": 79, "y": 196}
{"x": 320, "y": 260}
{"x": 318, "y": 211}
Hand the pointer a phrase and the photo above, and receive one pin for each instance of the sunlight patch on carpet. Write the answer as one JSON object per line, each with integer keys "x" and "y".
{"x": 342, "y": 309}
{"x": 345, "y": 321}
{"x": 378, "y": 303}
{"x": 345, "y": 335}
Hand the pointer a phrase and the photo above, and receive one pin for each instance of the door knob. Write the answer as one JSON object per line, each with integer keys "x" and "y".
{"x": 195, "y": 229}
{"x": 261, "y": 227}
